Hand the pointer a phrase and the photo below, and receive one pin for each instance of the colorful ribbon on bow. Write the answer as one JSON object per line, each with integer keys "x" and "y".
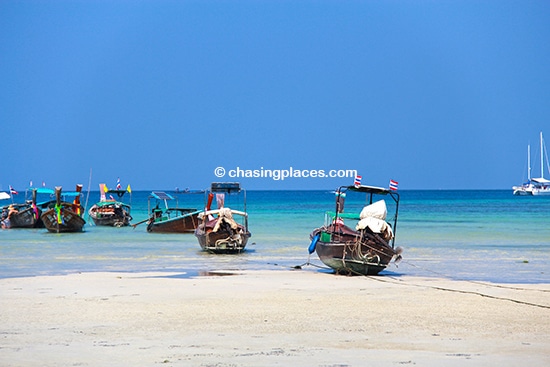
{"x": 58, "y": 212}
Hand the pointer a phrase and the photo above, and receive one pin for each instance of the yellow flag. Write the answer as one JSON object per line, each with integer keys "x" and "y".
{"x": 129, "y": 189}
{"x": 105, "y": 188}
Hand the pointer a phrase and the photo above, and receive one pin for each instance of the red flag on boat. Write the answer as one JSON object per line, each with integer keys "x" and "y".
{"x": 393, "y": 185}
{"x": 13, "y": 191}
{"x": 357, "y": 181}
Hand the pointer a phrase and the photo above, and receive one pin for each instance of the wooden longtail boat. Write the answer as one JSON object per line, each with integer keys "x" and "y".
{"x": 366, "y": 249}
{"x": 218, "y": 231}
{"x": 110, "y": 212}
{"x": 62, "y": 216}
{"x": 26, "y": 215}
{"x": 170, "y": 219}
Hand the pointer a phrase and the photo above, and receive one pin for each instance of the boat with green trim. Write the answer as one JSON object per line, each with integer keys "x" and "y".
{"x": 170, "y": 219}
{"x": 109, "y": 211}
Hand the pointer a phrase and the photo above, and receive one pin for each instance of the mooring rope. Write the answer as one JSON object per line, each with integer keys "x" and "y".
{"x": 475, "y": 282}
{"x": 392, "y": 280}
{"x": 400, "y": 282}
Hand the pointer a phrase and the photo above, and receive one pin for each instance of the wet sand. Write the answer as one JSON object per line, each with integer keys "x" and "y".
{"x": 270, "y": 318}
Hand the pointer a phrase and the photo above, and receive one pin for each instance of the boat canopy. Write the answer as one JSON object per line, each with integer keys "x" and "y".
{"x": 4, "y": 195}
{"x": 368, "y": 189}
{"x": 541, "y": 180}
{"x": 161, "y": 195}
{"x": 111, "y": 203}
{"x": 43, "y": 190}
{"x": 119, "y": 193}
{"x": 333, "y": 215}
{"x": 228, "y": 187}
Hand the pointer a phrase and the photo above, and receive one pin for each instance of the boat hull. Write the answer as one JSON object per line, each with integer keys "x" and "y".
{"x": 71, "y": 222}
{"x": 113, "y": 221}
{"x": 522, "y": 191}
{"x": 353, "y": 253}
{"x": 181, "y": 224}
{"x": 224, "y": 241}
{"x": 26, "y": 218}
{"x": 541, "y": 192}
{"x": 531, "y": 191}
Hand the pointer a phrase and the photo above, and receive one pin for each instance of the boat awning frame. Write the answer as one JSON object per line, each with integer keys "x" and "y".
{"x": 370, "y": 191}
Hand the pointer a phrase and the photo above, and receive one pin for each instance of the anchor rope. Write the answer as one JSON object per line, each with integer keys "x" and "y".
{"x": 475, "y": 282}
{"x": 400, "y": 282}
{"x": 392, "y": 280}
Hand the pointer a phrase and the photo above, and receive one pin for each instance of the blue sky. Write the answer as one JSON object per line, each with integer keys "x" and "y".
{"x": 433, "y": 94}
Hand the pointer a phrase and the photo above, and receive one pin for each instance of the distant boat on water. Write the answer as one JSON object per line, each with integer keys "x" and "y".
{"x": 109, "y": 211}
{"x": 535, "y": 186}
{"x": 170, "y": 219}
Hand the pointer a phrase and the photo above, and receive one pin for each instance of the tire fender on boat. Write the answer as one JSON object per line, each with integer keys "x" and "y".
{"x": 313, "y": 244}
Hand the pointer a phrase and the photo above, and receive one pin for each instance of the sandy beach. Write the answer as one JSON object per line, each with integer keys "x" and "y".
{"x": 270, "y": 318}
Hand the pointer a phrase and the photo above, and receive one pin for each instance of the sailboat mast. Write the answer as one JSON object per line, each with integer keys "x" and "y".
{"x": 529, "y": 162}
{"x": 541, "y": 157}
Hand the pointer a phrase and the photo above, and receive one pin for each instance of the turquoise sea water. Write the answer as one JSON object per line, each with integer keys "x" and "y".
{"x": 469, "y": 235}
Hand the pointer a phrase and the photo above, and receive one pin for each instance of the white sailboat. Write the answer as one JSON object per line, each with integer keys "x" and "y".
{"x": 535, "y": 186}
{"x": 541, "y": 186}
{"x": 527, "y": 187}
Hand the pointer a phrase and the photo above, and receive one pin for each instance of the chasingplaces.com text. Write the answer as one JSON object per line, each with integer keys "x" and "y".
{"x": 282, "y": 174}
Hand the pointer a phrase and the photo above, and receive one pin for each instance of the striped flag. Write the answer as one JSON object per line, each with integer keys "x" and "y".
{"x": 118, "y": 187}
{"x": 357, "y": 181}
{"x": 393, "y": 185}
{"x": 13, "y": 191}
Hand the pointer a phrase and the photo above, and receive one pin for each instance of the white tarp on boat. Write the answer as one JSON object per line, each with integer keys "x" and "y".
{"x": 4, "y": 195}
{"x": 373, "y": 216}
{"x": 375, "y": 210}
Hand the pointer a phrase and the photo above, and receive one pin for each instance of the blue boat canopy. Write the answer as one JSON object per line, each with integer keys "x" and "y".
{"x": 161, "y": 195}
{"x": 43, "y": 190}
